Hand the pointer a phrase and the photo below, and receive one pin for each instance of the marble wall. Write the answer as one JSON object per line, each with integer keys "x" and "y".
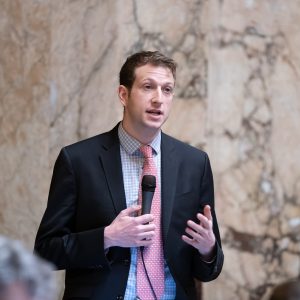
{"x": 237, "y": 97}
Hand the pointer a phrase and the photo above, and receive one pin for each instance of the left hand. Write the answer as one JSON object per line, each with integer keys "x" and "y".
{"x": 201, "y": 234}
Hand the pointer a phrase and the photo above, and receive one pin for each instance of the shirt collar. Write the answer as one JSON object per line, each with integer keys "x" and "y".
{"x": 131, "y": 145}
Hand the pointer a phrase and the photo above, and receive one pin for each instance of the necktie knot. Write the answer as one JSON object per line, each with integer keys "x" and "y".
{"x": 146, "y": 151}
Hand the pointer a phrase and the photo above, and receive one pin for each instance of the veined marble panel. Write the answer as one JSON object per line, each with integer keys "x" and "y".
{"x": 253, "y": 118}
{"x": 24, "y": 135}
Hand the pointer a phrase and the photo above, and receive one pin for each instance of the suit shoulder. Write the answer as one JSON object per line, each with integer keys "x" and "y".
{"x": 86, "y": 142}
{"x": 92, "y": 144}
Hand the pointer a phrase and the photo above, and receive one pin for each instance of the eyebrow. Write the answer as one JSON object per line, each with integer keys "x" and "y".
{"x": 151, "y": 79}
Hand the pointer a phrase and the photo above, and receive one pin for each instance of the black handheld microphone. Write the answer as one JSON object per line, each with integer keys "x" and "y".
{"x": 148, "y": 188}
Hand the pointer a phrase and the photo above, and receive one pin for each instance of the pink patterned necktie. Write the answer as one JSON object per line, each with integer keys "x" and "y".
{"x": 153, "y": 255}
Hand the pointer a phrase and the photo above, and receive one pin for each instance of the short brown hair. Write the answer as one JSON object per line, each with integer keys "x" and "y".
{"x": 155, "y": 58}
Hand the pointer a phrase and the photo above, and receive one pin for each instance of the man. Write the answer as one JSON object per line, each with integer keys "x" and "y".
{"x": 23, "y": 276}
{"x": 92, "y": 226}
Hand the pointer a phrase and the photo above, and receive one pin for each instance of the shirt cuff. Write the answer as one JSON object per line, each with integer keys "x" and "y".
{"x": 210, "y": 261}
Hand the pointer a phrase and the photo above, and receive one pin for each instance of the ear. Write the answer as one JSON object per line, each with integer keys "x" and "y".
{"x": 123, "y": 94}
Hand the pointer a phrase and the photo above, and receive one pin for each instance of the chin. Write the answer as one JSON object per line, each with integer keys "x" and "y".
{"x": 154, "y": 125}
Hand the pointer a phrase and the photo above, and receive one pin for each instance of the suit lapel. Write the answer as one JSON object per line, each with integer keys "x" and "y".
{"x": 111, "y": 162}
{"x": 169, "y": 169}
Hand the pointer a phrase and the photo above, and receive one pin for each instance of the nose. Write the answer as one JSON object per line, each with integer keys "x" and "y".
{"x": 157, "y": 95}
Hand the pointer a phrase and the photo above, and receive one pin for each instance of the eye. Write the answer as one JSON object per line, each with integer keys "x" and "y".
{"x": 147, "y": 87}
{"x": 168, "y": 90}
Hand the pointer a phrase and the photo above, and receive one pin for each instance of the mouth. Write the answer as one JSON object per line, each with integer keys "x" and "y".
{"x": 154, "y": 112}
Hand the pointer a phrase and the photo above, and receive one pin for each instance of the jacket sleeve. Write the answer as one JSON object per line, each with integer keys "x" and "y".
{"x": 56, "y": 240}
{"x": 206, "y": 271}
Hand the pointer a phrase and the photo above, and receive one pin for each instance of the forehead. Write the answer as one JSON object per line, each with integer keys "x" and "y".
{"x": 157, "y": 73}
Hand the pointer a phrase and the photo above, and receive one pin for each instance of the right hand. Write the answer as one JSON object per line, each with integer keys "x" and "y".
{"x": 127, "y": 230}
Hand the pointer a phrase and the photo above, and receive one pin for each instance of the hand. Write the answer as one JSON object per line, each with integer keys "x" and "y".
{"x": 127, "y": 230}
{"x": 201, "y": 235}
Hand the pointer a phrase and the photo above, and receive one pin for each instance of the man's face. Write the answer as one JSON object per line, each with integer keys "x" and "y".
{"x": 147, "y": 105}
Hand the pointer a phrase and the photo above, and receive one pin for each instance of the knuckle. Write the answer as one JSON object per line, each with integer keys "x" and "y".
{"x": 123, "y": 212}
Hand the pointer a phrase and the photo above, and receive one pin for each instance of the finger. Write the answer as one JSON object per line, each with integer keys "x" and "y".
{"x": 144, "y": 228}
{"x": 149, "y": 235}
{"x": 207, "y": 212}
{"x": 144, "y": 219}
{"x": 204, "y": 221}
{"x": 130, "y": 210}
{"x": 188, "y": 240}
{"x": 195, "y": 226}
{"x": 194, "y": 234}
{"x": 148, "y": 227}
{"x": 145, "y": 242}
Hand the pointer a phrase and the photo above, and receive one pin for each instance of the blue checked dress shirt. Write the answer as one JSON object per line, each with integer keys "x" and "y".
{"x": 132, "y": 162}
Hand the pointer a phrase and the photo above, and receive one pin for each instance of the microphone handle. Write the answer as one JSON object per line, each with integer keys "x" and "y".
{"x": 146, "y": 201}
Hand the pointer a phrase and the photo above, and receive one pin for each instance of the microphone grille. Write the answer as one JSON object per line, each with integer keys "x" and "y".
{"x": 148, "y": 183}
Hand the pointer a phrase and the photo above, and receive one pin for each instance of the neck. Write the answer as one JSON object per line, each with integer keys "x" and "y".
{"x": 145, "y": 137}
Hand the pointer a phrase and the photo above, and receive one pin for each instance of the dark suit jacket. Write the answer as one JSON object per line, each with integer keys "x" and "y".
{"x": 87, "y": 193}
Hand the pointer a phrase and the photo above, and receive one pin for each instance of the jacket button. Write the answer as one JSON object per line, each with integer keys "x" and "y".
{"x": 126, "y": 262}
{"x": 95, "y": 267}
{"x": 120, "y": 297}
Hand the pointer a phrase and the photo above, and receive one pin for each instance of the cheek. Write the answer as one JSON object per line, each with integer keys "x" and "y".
{"x": 136, "y": 109}
{"x": 168, "y": 106}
